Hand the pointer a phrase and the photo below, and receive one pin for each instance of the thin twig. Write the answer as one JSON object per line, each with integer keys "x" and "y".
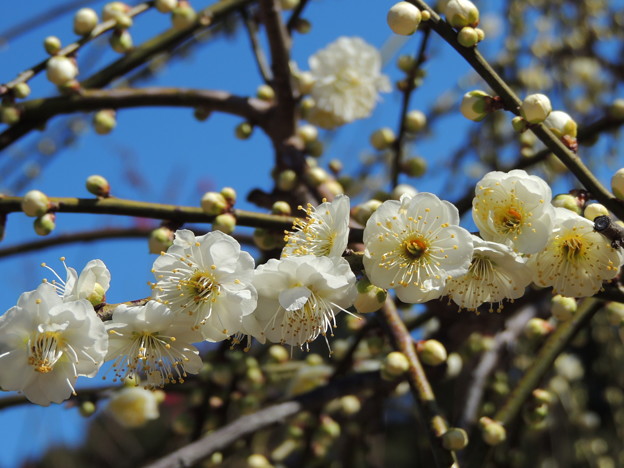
{"x": 296, "y": 14}
{"x": 259, "y": 55}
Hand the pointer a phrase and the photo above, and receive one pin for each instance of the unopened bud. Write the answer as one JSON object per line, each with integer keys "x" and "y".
{"x": 370, "y": 298}
{"x": 403, "y": 18}
{"x": 288, "y": 4}
{"x": 480, "y": 33}
{"x": 60, "y": 70}
{"x": 279, "y": 353}
{"x": 335, "y": 165}
{"x": 21, "y": 90}
{"x": 244, "y": 130}
{"x": 455, "y": 438}
{"x": 9, "y": 115}
{"x": 594, "y": 210}
{"x": 302, "y": 26}
{"x": 229, "y": 194}
{"x": 406, "y": 63}
{"x": 616, "y": 110}
{"x": 460, "y": 13}
{"x": 160, "y": 240}
{"x": 265, "y": 92}
{"x": 520, "y": 126}
{"x": 305, "y": 82}
{"x": 121, "y": 41}
{"x": 85, "y": 20}
{"x": 536, "y": 108}
{"x": 403, "y": 189}
{"x": 474, "y": 105}
{"x": 286, "y": 180}
{"x": 183, "y": 17}
{"x": 98, "y": 186}
{"x": 567, "y": 201}
{"x": 415, "y": 167}
{"x": 113, "y": 9}
{"x": 468, "y": 36}
{"x": 431, "y": 352}
{"x": 415, "y": 121}
{"x": 45, "y": 224}
{"x": 213, "y": 203}
{"x": 316, "y": 176}
{"x": 394, "y": 365}
{"x": 493, "y": 432}
{"x": 382, "y": 138}
{"x": 617, "y": 184}
{"x": 542, "y": 396}
{"x": 52, "y": 45}
{"x": 225, "y": 222}
{"x": 561, "y": 124}
{"x": 35, "y": 203}
{"x": 537, "y": 328}
{"x": 104, "y": 121}
{"x": 315, "y": 148}
{"x": 258, "y": 461}
{"x": 329, "y": 427}
{"x": 563, "y": 308}
{"x": 165, "y": 6}
{"x": 281, "y": 208}
{"x": 615, "y": 313}
{"x": 87, "y": 408}
{"x": 308, "y": 133}
{"x": 363, "y": 211}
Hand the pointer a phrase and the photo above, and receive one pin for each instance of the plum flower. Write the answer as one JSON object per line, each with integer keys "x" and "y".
{"x": 324, "y": 232}
{"x": 91, "y": 284}
{"x": 514, "y": 208}
{"x": 209, "y": 279}
{"x": 415, "y": 245}
{"x": 576, "y": 259}
{"x": 496, "y": 273}
{"x": 153, "y": 341}
{"x": 134, "y": 406}
{"x": 45, "y": 344}
{"x": 299, "y": 297}
{"x": 347, "y": 82}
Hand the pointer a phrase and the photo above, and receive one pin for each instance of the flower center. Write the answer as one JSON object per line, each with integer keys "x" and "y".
{"x": 572, "y": 248}
{"x": 201, "y": 285}
{"x": 481, "y": 267}
{"x": 510, "y": 220}
{"x": 45, "y": 351}
{"x": 415, "y": 248}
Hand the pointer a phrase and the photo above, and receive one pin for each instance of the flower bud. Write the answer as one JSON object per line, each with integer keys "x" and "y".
{"x": 370, "y": 298}
{"x": 288, "y": 4}
{"x": 302, "y": 26}
{"x": 21, "y": 90}
{"x": 363, "y": 211}
{"x": 567, "y": 201}
{"x": 229, "y": 194}
{"x": 474, "y": 105}
{"x": 286, "y": 180}
{"x": 183, "y": 17}
{"x": 425, "y": 15}
{"x": 52, "y": 45}
{"x": 225, "y": 222}
{"x": 616, "y": 110}
{"x": 468, "y": 36}
{"x": 9, "y": 115}
{"x": 617, "y": 184}
{"x": 121, "y": 41}
{"x": 455, "y": 438}
{"x": 615, "y": 313}
{"x": 166, "y": 6}
{"x": 460, "y": 13}
{"x": 415, "y": 167}
{"x": 305, "y": 82}
{"x": 133, "y": 406}
{"x": 563, "y": 308}
{"x": 403, "y": 18}
{"x": 561, "y": 124}
{"x": 382, "y": 138}
{"x": 542, "y": 396}
{"x": 480, "y": 34}
{"x": 85, "y": 20}
{"x": 35, "y": 203}
{"x": 104, "y": 121}
{"x": 45, "y": 224}
{"x": 403, "y": 189}
{"x": 281, "y": 208}
{"x": 265, "y": 92}
{"x": 594, "y": 210}
{"x": 315, "y": 148}
{"x": 415, "y": 121}
{"x": 60, "y": 70}
{"x": 87, "y": 408}
{"x": 535, "y": 108}
{"x": 113, "y": 9}
{"x": 329, "y": 427}
{"x": 537, "y": 328}
{"x": 520, "y": 126}
{"x": 243, "y": 130}
{"x": 98, "y": 186}
{"x": 394, "y": 365}
{"x": 278, "y": 353}
{"x": 213, "y": 203}
{"x": 257, "y": 460}
{"x": 160, "y": 240}
{"x": 431, "y": 352}
{"x": 308, "y": 133}
{"x": 493, "y": 432}
{"x": 406, "y": 63}
{"x": 316, "y": 176}
{"x": 335, "y": 165}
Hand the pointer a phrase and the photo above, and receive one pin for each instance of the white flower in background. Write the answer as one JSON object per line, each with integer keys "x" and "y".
{"x": 415, "y": 246}
{"x": 325, "y": 231}
{"x": 92, "y": 284}
{"x": 134, "y": 406}
{"x": 496, "y": 273}
{"x": 299, "y": 297}
{"x": 576, "y": 259}
{"x": 514, "y": 208}
{"x": 45, "y": 344}
{"x": 208, "y": 278}
{"x": 153, "y": 341}
{"x": 347, "y": 82}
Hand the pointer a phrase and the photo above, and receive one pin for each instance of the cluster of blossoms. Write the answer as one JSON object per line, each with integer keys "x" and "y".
{"x": 207, "y": 289}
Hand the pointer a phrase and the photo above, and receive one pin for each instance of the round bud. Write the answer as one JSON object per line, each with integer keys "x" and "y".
{"x": 213, "y": 203}
{"x": 308, "y": 133}
{"x": 468, "y": 36}
{"x": 21, "y": 90}
{"x": 165, "y": 6}
{"x": 35, "y": 203}
{"x": 45, "y": 224}
{"x": 615, "y": 313}
{"x": 403, "y": 189}
{"x": 382, "y": 138}
{"x": 520, "y": 126}
{"x": 350, "y": 404}
{"x": 113, "y": 9}
{"x": 460, "y": 13}
{"x": 183, "y": 17}
{"x": 370, "y": 298}
{"x": 561, "y": 124}
{"x": 244, "y": 130}
{"x": 543, "y": 397}
{"x": 225, "y": 222}
{"x": 104, "y": 121}
{"x": 52, "y": 45}
{"x": 406, "y": 63}
{"x": 594, "y": 210}
{"x": 563, "y": 308}
{"x": 455, "y": 439}
{"x": 403, "y": 18}
{"x": 537, "y": 328}
{"x": 85, "y": 20}
{"x": 316, "y": 176}
{"x": 121, "y": 41}
{"x": 535, "y": 108}
{"x": 160, "y": 240}
{"x": 265, "y": 92}
{"x": 98, "y": 186}
{"x": 315, "y": 148}
{"x": 567, "y": 201}
{"x": 335, "y": 165}
{"x": 363, "y": 211}
{"x": 201, "y": 113}
{"x": 60, "y": 70}
{"x": 334, "y": 187}
{"x": 279, "y": 353}
{"x": 229, "y": 194}
{"x": 394, "y": 365}
{"x": 415, "y": 167}
{"x": 425, "y": 15}
{"x": 493, "y": 432}
{"x": 474, "y": 105}
{"x": 288, "y": 4}
{"x": 286, "y": 180}
{"x": 415, "y": 121}
{"x": 617, "y": 184}
{"x": 329, "y": 427}
{"x": 305, "y": 83}
{"x": 87, "y": 408}
{"x": 123, "y": 21}
{"x": 617, "y": 109}
{"x": 281, "y": 208}
{"x": 303, "y": 26}
{"x": 480, "y": 33}
{"x": 258, "y": 461}
{"x": 9, "y": 115}
{"x": 431, "y": 352}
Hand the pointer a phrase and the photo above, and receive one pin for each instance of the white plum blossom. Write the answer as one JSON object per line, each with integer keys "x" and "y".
{"x": 299, "y": 297}
{"x": 153, "y": 341}
{"x": 325, "y": 231}
{"x": 91, "y": 284}
{"x": 347, "y": 81}
{"x": 45, "y": 344}
{"x": 207, "y": 278}
{"x": 514, "y": 208}
{"x": 496, "y": 273}
{"x": 576, "y": 259}
{"x": 415, "y": 245}
{"x": 134, "y": 406}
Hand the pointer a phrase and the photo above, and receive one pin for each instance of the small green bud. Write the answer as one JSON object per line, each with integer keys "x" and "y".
{"x": 265, "y": 92}
{"x": 382, "y": 139}
{"x": 279, "y": 353}
{"x": 288, "y": 4}
{"x": 431, "y": 352}
{"x": 363, "y": 211}
{"x": 403, "y": 18}
{"x": 113, "y": 9}
{"x": 455, "y": 438}
{"x": 329, "y": 427}
{"x": 350, "y": 405}
{"x": 61, "y": 70}
{"x": 415, "y": 167}
{"x": 460, "y": 13}
{"x": 594, "y": 210}
{"x": 406, "y": 63}
{"x": 123, "y": 21}
{"x": 183, "y": 17}
{"x": 493, "y": 432}
{"x": 305, "y": 82}
{"x": 104, "y": 121}
{"x": 35, "y": 203}
{"x": 370, "y": 298}
{"x": 415, "y": 121}
{"x": 213, "y": 203}
{"x": 52, "y": 45}
{"x": 225, "y": 222}
{"x": 543, "y": 396}
{"x": 615, "y": 313}
{"x": 567, "y": 201}
{"x": 480, "y": 33}
{"x": 535, "y": 108}
{"x": 468, "y": 36}
{"x": 244, "y": 130}
{"x": 425, "y": 15}
{"x": 98, "y": 186}
{"x": 335, "y": 165}
{"x": 9, "y": 115}
{"x": 21, "y": 90}
{"x": 85, "y": 20}
{"x": 563, "y": 308}
{"x": 87, "y": 408}
{"x": 394, "y": 365}
{"x": 258, "y": 461}
{"x": 45, "y": 224}
{"x": 308, "y": 133}
{"x": 314, "y": 359}
{"x": 121, "y": 41}
{"x": 617, "y": 183}
{"x": 520, "y": 126}
{"x": 166, "y": 6}
{"x": 229, "y": 194}
{"x": 537, "y": 328}
{"x": 286, "y": 180}
{"x": 160, "y": 240}
{"x": 315, "y": 148}
{"x": 316, "y": 176}
{"x": 475, "y": 104}
{"x": 617, "y": 109}
{"x": 303, "y": 26}
{"x": 561, "y": 124}
{"x": 281, "y": 208}
{"x": 201, "y": 113}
